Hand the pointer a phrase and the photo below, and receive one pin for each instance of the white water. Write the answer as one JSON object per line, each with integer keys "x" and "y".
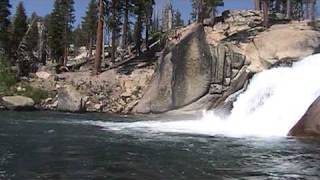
{"x": 274, "y": 101}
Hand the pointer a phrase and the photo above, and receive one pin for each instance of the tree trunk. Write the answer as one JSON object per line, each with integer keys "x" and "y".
{"x": 99, "y": 38}
{"x": 114, "y": 29}
{"x": 257, "y": 5}
{"x": 200, "y": 11}
{"x": 147, "y": 34}
{"x": 289, "y": 9}
{"x": 266, "y": 4}
{"x": 90, "y": 46}
{"x": 65, "y": 55}
{"x": 307, "y": 9}
{"x": 277, "y": 6}
{"x": 125, "y": 25}
{"x": 113, "y": 45}
{"x": 312, "y": 10}
{"x": 138, "y": 34}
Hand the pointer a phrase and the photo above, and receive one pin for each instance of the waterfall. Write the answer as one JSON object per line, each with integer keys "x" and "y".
{"x": 273, "y": 102}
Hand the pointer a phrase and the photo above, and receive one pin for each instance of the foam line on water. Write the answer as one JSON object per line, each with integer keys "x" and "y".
{"x": 274, "y": 101}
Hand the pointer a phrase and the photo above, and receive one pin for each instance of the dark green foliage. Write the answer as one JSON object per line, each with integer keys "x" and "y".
{"x": 33, "y": 36}
{"x": 143, "y": 10}
{"x": 4, "y": 25}
{"x": 60, "y": 28}
{"x": 34, "y": 93}
{"x": 7, "y": 78}
{"x": 80, "y": 37}
{"x": 89, "y": 24}
{"x": 177, "y": 20}
{"x": 138, "y": 27}
{"x": 20, "y": 27}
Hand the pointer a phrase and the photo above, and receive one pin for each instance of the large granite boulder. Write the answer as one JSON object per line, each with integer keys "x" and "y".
{"x": 18, "y": 102}
{"x": 183, "y": 75}
{"x": 194, "y": 75}
{"x": 282, "y": 44}
{"x": 309, "y": 124}
{"x": 71, "y": 100}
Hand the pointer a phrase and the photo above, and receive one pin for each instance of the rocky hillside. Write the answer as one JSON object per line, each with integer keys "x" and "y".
{"x": 201, "y": 67}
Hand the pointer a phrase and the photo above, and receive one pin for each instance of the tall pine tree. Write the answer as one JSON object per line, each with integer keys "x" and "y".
{"x": 60, "y": 30}
{"x": 177, "y": 20}
{"x": 20, "y": 27}
{"x": 4, "y": 26}
{"x": 90, "y": 23}
{"x": 114, "y": 25}
{"x": 138, "y": 27}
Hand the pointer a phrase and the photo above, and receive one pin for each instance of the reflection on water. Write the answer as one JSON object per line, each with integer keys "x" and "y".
{"x": 56, "y": 146}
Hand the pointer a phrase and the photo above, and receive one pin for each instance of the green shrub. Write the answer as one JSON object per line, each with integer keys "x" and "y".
{"x": 7, "y": 78}
{"x": 34, "y": 93}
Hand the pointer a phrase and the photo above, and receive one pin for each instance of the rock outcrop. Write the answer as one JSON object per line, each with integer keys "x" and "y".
{"x": 282, "y": 44}
{"x": 309, "y": 124}
{"x": 18, "y": 102}
{"x": 194, "y": 75}
{"x": 208, "y": 65}
{"x": 70, "y": 100}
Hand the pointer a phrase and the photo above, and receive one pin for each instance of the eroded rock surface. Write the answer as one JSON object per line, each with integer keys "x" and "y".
{"x": 194, "y": 75}
{"x": 70, "y": 100}
{"x": 309, "y": 124}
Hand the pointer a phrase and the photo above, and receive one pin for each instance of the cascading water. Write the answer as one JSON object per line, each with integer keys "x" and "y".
{"x": 274, "y": 101}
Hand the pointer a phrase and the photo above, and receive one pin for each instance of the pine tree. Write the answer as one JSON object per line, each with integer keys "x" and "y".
{"x": 177, "y": 21}
{"x": 148, "y": 12}
{"x": 138, "y": 27}
{"x": 20, "y": 27}
{"x": 80, "y": 37}
{"x": 69, "y": 19}
{"x": 114, "y": 24}
{"x": 90, "y": 24}
{"x": 34, "y": 34}
{"x": 60, "y": 29}
{"x": 4, "y": 26}
{"x": 126, "y": 23}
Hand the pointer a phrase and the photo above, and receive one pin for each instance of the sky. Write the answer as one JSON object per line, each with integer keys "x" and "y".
{"x": 44, "y": 7}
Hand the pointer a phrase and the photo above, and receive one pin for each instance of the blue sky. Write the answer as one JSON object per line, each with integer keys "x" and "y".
{"x": 43, "y": 7}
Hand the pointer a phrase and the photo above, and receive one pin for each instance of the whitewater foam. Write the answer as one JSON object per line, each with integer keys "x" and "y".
{"x": 274, "y": 101}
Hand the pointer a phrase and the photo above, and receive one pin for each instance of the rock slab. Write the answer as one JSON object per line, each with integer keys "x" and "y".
{"x": 309, "y": 124}
{"x": 18, "y": 102}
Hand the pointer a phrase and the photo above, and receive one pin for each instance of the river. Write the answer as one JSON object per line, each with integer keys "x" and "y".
{"x": 49, "y": 145}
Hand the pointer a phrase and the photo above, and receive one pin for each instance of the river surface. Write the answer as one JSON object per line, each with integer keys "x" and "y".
{"x": 47, "y": 145}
